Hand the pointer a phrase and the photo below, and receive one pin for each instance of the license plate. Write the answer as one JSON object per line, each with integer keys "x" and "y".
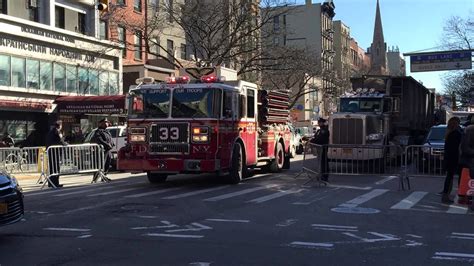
{"x": 347, "y": 151}
{"x": 3, "y": 208}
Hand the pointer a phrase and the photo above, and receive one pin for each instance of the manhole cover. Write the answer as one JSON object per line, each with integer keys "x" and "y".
{"x": 355, "y": 210}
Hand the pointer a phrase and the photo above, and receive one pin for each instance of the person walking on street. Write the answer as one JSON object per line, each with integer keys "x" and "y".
{"x": 54, "y": 137}
{"x": 321, "y": 137}
{"x": 451, "y": 156}
{"x": 103, "y": 138}
{"x": 469, "y": 120}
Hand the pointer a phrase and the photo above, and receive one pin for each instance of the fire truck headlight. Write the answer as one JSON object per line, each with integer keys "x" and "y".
{"x": 137, "y": 138}
{"x": 200, "y": 138}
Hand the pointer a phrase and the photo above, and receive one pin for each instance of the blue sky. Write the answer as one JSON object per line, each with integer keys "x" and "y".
{"x": 412, "y": 25}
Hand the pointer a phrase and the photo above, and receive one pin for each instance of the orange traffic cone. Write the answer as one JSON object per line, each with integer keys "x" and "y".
{"x": 464, "y": 186}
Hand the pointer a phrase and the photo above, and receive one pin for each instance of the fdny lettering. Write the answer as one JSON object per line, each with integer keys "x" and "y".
{"x": 199, "y": 149}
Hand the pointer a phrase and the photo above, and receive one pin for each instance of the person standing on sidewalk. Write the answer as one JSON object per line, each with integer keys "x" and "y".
{"x": 54, "y": 137}
{"x": 451, "y": 156}
{"x": 321, "y": 137}
{"x": 103, "y": 138}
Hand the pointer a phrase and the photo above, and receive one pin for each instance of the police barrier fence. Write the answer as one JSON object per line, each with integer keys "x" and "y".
{"x": 75, "y": 159}
{"x": 323, "y": 160}
{"x": 424, "y": 160}
{"x": 21, "y": 160}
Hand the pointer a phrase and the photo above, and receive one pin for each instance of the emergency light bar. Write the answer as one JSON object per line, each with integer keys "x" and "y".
{"x": 212, "y": 79}
{"x": 177, "y": 80}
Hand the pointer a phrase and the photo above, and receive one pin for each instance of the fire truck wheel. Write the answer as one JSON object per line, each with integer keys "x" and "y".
{"x": 277, "y": 164}
{"x": 237, "y": 170}
{"x": 156, "y": 177}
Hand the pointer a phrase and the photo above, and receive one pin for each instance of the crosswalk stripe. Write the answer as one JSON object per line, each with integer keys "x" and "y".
{"x": 457, "y": 209}
{"x": 192, "y": 193}
{"x": 364, "y": 198}
{"x": 89, "y": 190}
{"x": 275, "y": 195}
{"x": 409, "y": 201}
{"x": 113, "y": 192}
{"x": 152, "y": 192}
{"x": 238, "y": 193}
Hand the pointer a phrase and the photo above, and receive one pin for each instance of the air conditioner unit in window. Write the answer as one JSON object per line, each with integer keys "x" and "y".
{"x": 32, "y": 3}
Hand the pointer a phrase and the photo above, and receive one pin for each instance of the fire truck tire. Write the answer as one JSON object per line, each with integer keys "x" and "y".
{"x": 277, "y": 164}
{"x": 237, "y": 170}
{"x": 155, "y": 178}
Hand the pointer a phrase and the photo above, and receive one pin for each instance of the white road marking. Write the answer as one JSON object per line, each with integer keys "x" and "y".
{"x": 410, "y": 201}
{"x": 364, "y": 198}
{"x": 112, "y": 192}
{"x": 457, "y": 255}
{"x": 229, "y": 221}
{"x": 238, "y": 193}
{"x": 385, "y": 180}
{"x": 312, "y": 244}
{"x": 415, "y": 236}
{"x": 188, "y": 194}
{"x": 101, "y": 187}
{"x": 152, "y": 193}
{"x": 84, "y": 236}
{"x": 349, "y": 187}
{"x": 335, "y": 226}
{"x": 166, "y": 225}
{"x": 173, "y": 235}
{"x": 457, "y": 209}
{"x": 287, "y": 222}
{"x": 67, "y": 229}
{"x": 275, "y": 195}
{"x": 462, "y": 234}
{"x": 198, "y": 227}
{"x": 200, "y": 263}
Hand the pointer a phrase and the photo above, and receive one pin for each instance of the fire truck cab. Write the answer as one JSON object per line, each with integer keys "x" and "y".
{"x": 208, "y": 126}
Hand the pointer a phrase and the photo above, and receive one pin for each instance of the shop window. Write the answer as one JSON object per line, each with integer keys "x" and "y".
{"x": 71, "y": 79}
{"x": 32, "y": 74}
{"x": 59, "y": 77}
{"x": 113, "y": 83}
{"x": 104, "y": 83}
{"x": 83, "y": 81}
{"x": 46, "y": 73}
{"x": 4, "y": 70}
{"x": 94, "y": 82}
{"x": 18, "y": 72}
{"x": 59, "y": 17}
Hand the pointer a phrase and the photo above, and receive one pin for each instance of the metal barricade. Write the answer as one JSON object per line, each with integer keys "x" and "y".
{"x": 21, "y": 160}
{"x": 424, "y": 160}
{"x": 321, "y": 160}
{"x": 75, "y": 159}
{"x": 312, "y": 159}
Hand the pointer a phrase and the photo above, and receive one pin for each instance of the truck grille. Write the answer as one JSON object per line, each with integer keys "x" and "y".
{"x": 348, "y": 131}
{"x": 169, "y": 138}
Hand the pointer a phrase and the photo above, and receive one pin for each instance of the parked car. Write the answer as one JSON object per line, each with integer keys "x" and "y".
{"x": 433, "y": 150}
{"x": 11, "y": 199}
{"x": 119, "y": 134}
{"x": 296, "y": 142}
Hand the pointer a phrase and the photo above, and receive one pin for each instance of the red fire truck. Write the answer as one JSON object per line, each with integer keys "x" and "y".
{"x": 205, "y": 126}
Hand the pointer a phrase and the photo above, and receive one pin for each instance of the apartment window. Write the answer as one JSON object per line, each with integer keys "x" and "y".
{"x": 46, "y": 74}
{"x": 169, "y": 7}
{"x": 137, "y": 5}
{"x": 4, "y": 70}
{"x": 81, "y": 23}
{"x": 59, "y": 77}
{"x": 276, "y": 23}
{"x": 103, "y": 30}
{"x": 59, "y": 16}
{"x": 170, "y": 49}
{"x": 121, "y": 2}
{"x": 33, "y": 12}
{"x": 3, "y": 6}
{"x": 183, "y": 51}
{"x": 154, "y": 4}
{"x": 284, "y": 20}
{"x": 18, "y": 72}
{"x": 138, "y": 45}
{"x": 122, "y": 37}
{"x": 32, "y": 74}
{"x": 276, "y": 41}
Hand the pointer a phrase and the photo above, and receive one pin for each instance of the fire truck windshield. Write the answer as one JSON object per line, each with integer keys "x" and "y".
{"x": 148, "y": 103}
{"x": 355, "y": 105}
{"x": 196, "y": 103}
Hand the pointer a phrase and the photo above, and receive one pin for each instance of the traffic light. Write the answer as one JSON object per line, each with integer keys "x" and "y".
{"x": 103, "y": 6}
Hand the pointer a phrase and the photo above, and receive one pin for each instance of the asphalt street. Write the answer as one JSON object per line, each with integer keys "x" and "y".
{"x": 269, "y": 219}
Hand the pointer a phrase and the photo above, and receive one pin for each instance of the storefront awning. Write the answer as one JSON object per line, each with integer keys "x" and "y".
{"x": 26, "y": 105}
{"x": 113, "y": 104}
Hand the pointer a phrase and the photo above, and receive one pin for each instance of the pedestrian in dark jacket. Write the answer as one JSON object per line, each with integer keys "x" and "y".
{"x": 451, "y": 156}
{"x": 321, "y": 137}
{"x": 103, "y": 138}
{"x": 54, "y": 137}
{"x": 469, "y": 120}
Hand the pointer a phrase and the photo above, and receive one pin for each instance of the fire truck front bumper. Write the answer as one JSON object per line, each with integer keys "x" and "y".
{"x": 169, "y": 165}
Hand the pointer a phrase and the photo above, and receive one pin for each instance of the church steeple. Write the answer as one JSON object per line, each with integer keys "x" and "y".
{"x": 378, "y": 49}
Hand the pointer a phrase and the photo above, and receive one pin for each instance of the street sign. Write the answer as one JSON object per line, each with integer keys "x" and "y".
{"x": 438, "y": 61}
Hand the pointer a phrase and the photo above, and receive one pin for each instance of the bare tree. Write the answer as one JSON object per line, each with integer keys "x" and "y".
{"x": 458, "y": 34}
